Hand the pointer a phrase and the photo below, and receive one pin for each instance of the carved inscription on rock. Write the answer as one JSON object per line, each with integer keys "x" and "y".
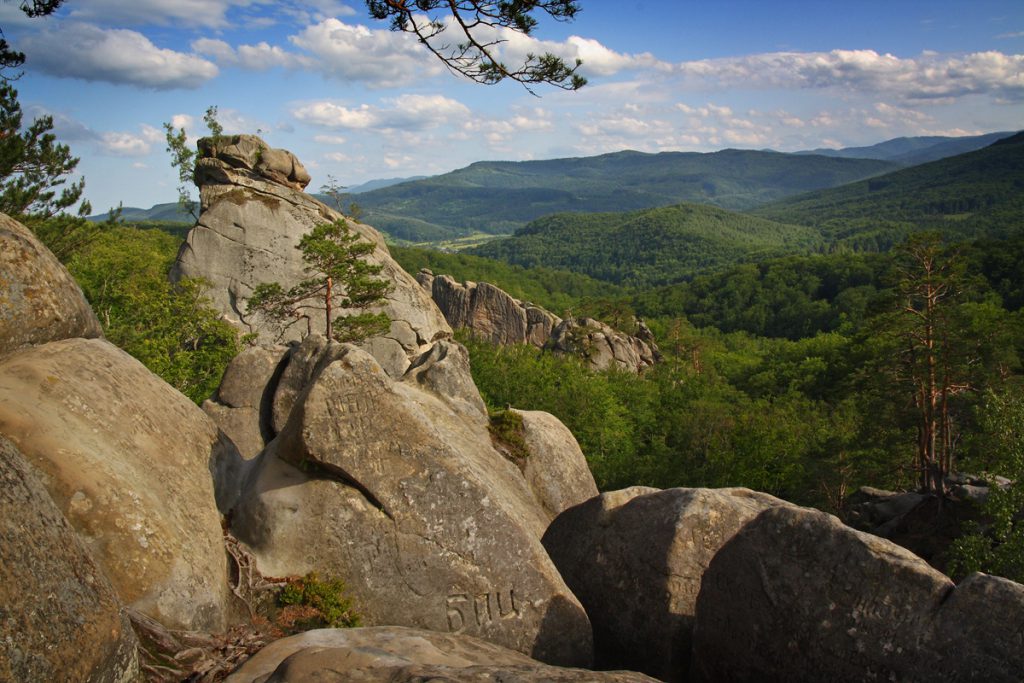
{"x": 475, "y": 611}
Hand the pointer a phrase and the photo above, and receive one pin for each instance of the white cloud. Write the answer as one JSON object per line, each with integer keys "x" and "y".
{"x": 928, "y": 76}
{"x": 117, "y": 56}
{"x": 379, "y": 58}
{"x": 211, "y": 13}
{"x": 408, "y": 112}
{"x": 259, "y": 57}
{"x": 130, "y": 144}
{"x": 329, "y": 139}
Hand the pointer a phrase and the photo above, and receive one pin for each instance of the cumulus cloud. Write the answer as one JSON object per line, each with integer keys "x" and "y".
{"x": 929, "y": 76}
{"x": 209, "y": 13}
{"x": 119, "y": 143}
{"x": 408, "y": 112}
{"x": 498, "y": 132}
{"x": 379, "y": 58}
{"x": 259, "y": 57}
{"x": 117, "y": 56}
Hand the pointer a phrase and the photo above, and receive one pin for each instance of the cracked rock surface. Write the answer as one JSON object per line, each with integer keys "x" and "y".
{"x": 390, "y": 486}
{"x": 635, "y": 559}
{"x": 798, "y": 596}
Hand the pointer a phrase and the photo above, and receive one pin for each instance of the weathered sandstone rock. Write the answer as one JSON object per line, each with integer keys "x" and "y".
{"x": 128, "y": 460}
{"x": 59, "y": 617}
{"x": 408, "y": 502}
{"x": 244, "y": 403}
{"x": 635, "y": 559}
{"x": 555, "y": 469}
{"x": 602, "y": 346}
{"x": 798, "y": 596}
{"x": 248, "y": 231}
{"x": 496, "y": 316}
{"x": 39, "y": 300}
{"x": 250, "y": 153}
{"x": 391, "y": 654}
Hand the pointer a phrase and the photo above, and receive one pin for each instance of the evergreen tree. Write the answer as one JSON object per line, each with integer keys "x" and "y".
{"x": 340, "y": 278}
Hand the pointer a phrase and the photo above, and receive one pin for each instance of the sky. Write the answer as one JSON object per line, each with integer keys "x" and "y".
{"x": 355, "y": 101}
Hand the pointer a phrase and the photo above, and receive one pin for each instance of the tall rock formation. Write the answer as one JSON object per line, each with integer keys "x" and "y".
{"x": 496, "y": 316}
{"x": 253, "y": 214}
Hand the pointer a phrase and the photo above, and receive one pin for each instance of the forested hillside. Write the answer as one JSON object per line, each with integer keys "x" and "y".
{"x": 650, "y": 247}
{"x": 977, "y": 194}
{"x": 915, "y": 150}
{"x": 500, "y": 197}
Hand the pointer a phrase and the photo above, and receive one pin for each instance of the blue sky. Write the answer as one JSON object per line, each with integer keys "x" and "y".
{"x": 358, "y": 102}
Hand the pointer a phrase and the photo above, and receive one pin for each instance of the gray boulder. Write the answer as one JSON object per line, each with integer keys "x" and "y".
{"x": 129, "y": 461}
{"x": 635, "y": 559}
{"x": 248, "y": 153}
{"x": 408, "y": 502}
{"x": 392, "y": 654}
{"x": 39, "y": 300}
{"x": 555, "y": 468}
{"x": 496, "y": 316}
{"x": 248, "y": 230}
{"x": 59, "y": 616}
{"x": 798, "y": 596}
{"x": 601, "y": 346}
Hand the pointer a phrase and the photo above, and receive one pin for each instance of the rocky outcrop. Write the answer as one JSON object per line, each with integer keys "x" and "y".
{"x": 39, "y": 300}
{"x": 408, "y": 503}
{"x": 496, "y": 316}
{"x": 59, "y": 617}
{"x": 635, "y": 559}
{"x": 555, "y": 468}
{"x": 798, "y": 596}
{"x": 395, "y": 655}
{"x": 249, "y": 227}
{"x": 129, "y": 462}
{"x": 602, "y": 346}
{"x": 249, "y": 154}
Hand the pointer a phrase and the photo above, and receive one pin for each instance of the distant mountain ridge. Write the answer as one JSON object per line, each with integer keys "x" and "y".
{"x": 977, "y": 194}
{"x": 503, "y": 196}
{"x": 911, "y": 151}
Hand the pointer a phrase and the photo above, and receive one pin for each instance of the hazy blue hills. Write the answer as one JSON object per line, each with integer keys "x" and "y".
{"x": 651, "y": 246}
{"x": 914, "y": 150}
{"x": 978, "y": 194}
{"x": 501, "y": 196}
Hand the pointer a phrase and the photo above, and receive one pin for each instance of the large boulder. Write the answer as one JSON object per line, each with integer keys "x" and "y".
{"x": 555, "y": 467}
{"x": 635, "y": 559}
{"x": 130, "y": 463}
{"x": 392, "y": 654}
{"x": 483, "y": 308}
{"x": 798, "y": 596}
{"x": 601, "y": 346}
{"x": 39, "y": 300}
{"x": 249, "y": 227}
{"x": 59, "y": 616}
{"x": 250, "y": 153}
{"x": 409, "y": 503}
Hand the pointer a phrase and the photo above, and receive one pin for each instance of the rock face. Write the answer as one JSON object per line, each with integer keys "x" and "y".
{"x": 501, "y": 319}
{"x": 59, "y": 617}
{"x": 556, "y": 469}
{"x": 128, "y": 461}
{"x": 250, "y": 153}
{"x": 408, "y": 502}
{"x": 602, "y": 346}
{"x": 39, "y": 301}
{"x": 394, "y": 654}
{"x": 250, "y": 224}
{"x": 798, "y": 596}
{"x": 635, "y": 559}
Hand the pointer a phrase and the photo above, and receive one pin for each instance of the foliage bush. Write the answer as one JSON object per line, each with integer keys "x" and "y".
{"x": 332, "y": 607}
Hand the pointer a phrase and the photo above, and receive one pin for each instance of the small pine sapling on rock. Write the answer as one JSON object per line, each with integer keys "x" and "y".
{"x": 340, "y": 278}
